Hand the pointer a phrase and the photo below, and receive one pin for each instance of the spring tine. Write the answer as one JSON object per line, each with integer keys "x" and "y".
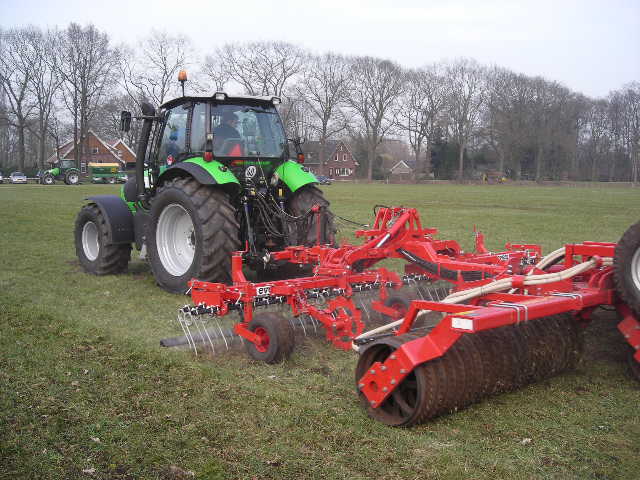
{"x": 209, "y": 338}
{"x": 187, "y": 332}
{"x": 222, "y": 335}
{"x": 200, "y": 328}
{"x": 304, "y": 330}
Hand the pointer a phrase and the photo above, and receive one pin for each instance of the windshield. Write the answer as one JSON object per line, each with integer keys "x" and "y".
{"x": 240, "y": 131}
{"x": 18, "y": 174}
{"x": 68, "y": 163}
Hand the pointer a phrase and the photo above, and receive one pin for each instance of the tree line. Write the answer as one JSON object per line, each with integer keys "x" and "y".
{"x": 457, "y": 117}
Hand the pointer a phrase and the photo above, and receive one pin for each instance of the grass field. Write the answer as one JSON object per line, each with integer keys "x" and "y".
{"x": 86, "y": 391}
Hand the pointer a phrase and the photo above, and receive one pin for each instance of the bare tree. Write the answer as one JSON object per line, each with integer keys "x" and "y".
{"x": 44, "y": 84}
{"x": 16, "y": 72}
{"x": 214, "y": 69}
{"x": 86, "y": 63}
{"x": 375, "y": 88}
{"x": 421, "y": 107}
{"x": 631, "y": 127}
{"x": 261, "y": 68}
{"x": 151, "y": 73}
{"x": 324, "y": 86}
{"x": 467, "y": 87}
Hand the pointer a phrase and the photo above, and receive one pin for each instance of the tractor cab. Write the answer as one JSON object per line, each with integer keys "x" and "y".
{"x": 66, "y": 164}
{"x": 235, "y": 131}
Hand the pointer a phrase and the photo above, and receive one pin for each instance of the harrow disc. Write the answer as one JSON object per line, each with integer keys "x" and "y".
{"x": 476, "y": 366}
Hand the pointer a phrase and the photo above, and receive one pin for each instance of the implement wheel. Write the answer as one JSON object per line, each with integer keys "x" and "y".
{"x": 410, "y": 401}
{"x": 94, "y": 252}
{"x": 626, "y": 263}
{"x": 400, "y": 302}
{"x": 276, "y": 338}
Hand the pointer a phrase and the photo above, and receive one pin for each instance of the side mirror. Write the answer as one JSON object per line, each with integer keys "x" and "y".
{"x": 125, "y": 121}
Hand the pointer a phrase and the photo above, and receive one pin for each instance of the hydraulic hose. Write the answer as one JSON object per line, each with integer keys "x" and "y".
{"x": 499, "y": 285}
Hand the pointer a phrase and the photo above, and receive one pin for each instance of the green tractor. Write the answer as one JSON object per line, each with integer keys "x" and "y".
{"x": 213, "y": 176}
{"x": 66, "y": 171}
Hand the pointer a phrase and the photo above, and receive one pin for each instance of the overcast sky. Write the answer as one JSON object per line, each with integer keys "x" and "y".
{"x": 590, "y": 46}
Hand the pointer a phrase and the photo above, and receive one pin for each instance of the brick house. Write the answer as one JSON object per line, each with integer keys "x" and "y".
{"x": 402, "y": 171}
{"x": 339, "y": 162}
{"x": 97, "y": 151}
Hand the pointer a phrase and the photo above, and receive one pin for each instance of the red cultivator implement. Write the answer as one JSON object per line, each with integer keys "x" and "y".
{"x": 508, "y": 318}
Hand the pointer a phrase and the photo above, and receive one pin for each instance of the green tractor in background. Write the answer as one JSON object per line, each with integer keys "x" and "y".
{"x": 66, "y": 171}
{"x": 213, "y": 176}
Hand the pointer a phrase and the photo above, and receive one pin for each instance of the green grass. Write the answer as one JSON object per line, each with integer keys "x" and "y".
{"x": 80, "y": 361}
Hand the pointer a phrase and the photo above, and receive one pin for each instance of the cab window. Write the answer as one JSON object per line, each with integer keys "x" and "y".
{"x": 173, "y": 141}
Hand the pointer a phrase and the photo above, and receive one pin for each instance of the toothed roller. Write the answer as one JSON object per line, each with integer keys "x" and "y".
{"x": 475, "y": 367}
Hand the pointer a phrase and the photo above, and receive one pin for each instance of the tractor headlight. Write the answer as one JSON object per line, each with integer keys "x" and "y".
{"x": 275, "y": 178}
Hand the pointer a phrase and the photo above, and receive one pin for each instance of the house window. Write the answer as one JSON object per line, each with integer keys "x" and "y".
{"x": 337, "y": 157}
{"x": 331, "y": 172}
{"x": 83, "y": 167}
{"x": 119, "y": 153}
{"x": 344, "y": 157}
{"x": 94, "y": 150}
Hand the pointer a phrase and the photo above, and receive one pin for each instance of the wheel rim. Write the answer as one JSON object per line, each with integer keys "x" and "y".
{"x": 635, "y": 269}
{"x": 400, "y": 407}
{"x": 73, "y": 178}
{"x": 48, "y": 180}
{"x": 263, "y": 339}
{"x": 90, "y": 241}
{"x": 175, "y": 240}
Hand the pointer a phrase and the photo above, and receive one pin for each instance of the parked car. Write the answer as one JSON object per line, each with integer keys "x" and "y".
{"x": 323, "y": 180}
{"x": 18, "y": 177}
{"x": 1, "y": 178}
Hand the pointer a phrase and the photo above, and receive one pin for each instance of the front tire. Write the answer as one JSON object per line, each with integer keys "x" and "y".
{"x": 47, "y": 179}
{"x": 192, "y": 234}
{"x": 95, "y": 254}
{"x": 626, "y": 264}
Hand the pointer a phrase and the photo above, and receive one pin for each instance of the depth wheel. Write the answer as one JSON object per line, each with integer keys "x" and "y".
{"x": 398, "y": 301}
{"x": 192, "y": 234}
{"x": 276, "y": 338}
{"x": 626, "y": 262}
{"x": 410, "y": 401}
{"x": 95, "y": 254}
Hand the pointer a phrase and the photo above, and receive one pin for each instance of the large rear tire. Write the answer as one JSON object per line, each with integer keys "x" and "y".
{"x": 305, "y": 232}
{"x": 71, "y": 177}
{"x": 192, "y": 234}
{"x": 626, "y": 263}
{"x": 95, "y": 254}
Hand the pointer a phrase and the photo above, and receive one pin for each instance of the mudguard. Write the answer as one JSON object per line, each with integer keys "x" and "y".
{"x": 295, "y": 175}
{"x": 207, "y": 173}
{"x": 118, "y": 216}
